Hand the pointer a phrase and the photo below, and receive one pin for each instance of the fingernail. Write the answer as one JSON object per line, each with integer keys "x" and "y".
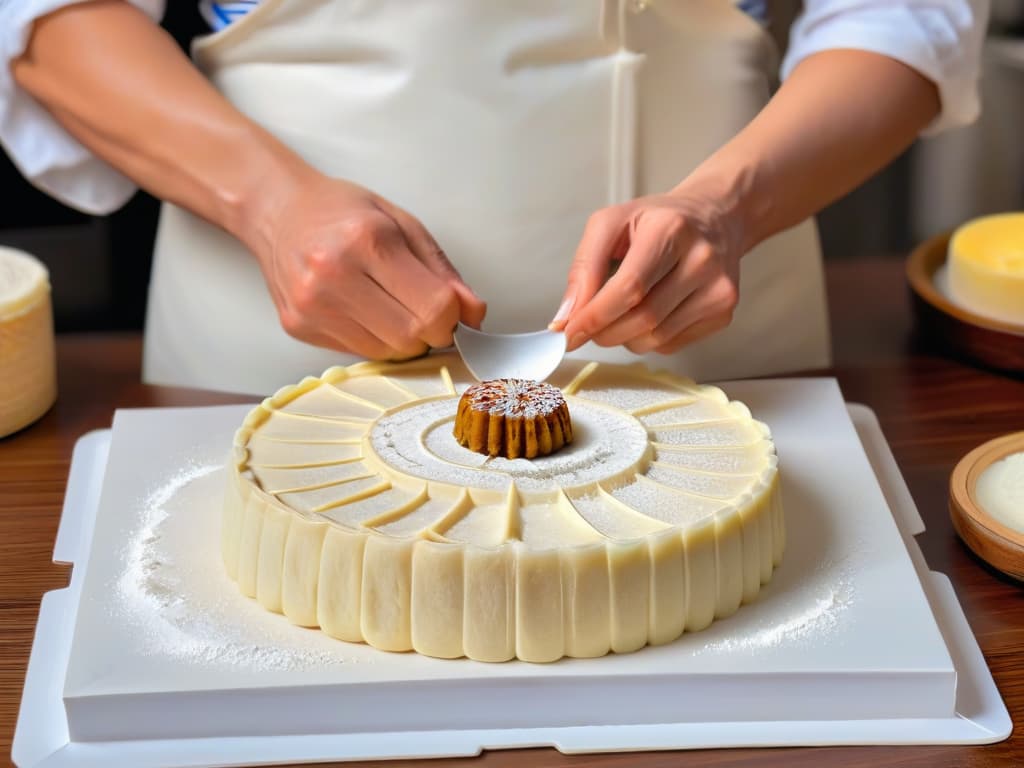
{"x": 578, "y": 340}
{"x": 563, "y": 311}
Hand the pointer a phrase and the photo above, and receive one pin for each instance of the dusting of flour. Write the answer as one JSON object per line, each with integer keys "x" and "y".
{"x": 812, "y": 613}
{"x": 175, "y": 593}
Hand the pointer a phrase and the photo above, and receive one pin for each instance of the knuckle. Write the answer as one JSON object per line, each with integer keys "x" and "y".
{"x": 361, "y": 232}
{"x": 318, "y": 260}
{"x": 304, "y": 296}
{"x": 647, "y": 319}
{"x": 673, "y": 222}
{"x": 446, "y": 306}
{"x": 660, "y": 336}
{"x": 409, "y": 351}
{"x": 589, "y": 328}
{"x": 633, "y": 290}
{"x": 729, "y": 295}
{"x": 292, "y": 324}
{"x": 639, "y": 346}
{"x": 376, "y": 350}
{"x": 442, "y": 313}
{"x": 441, "y": 258}
{"x": 578, "y": 271}
{"x": 324, "y": 262}
{"x": 597, "y": 219}
{"x": 702, "y": 254}
{"x": 415, "y": 329}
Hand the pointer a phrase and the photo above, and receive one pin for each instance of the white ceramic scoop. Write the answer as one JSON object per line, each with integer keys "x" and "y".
{"x": 510, "y": 355}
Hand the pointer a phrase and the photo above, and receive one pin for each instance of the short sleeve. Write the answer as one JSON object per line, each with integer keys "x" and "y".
{"x": 941, "y": 39}
{"x": 45, "y": 154}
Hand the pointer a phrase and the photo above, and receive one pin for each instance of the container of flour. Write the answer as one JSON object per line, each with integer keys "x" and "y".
{"x": 985, "y": 502}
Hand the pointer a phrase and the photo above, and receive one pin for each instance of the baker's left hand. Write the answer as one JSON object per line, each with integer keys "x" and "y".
{"x": 676, "y": 281}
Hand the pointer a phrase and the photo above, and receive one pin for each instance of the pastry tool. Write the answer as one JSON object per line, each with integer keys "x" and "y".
{"x": 489, "y": 356}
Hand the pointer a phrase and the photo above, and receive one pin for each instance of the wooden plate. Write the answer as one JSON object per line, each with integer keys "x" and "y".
{"x": 991, "y": 342}
{"x": 998, "y": 545}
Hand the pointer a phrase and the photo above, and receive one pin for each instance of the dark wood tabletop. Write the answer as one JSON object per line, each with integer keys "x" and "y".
{"x": 933, "y": 410}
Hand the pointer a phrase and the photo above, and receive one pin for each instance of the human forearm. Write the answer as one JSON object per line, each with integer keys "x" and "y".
{"x": 346, "y": 269}
{"x": 839, "y": 118}
{"x": 121, "y": 86}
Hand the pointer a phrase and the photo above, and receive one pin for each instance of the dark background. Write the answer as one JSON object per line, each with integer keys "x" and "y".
{"x": 99, "y": 266}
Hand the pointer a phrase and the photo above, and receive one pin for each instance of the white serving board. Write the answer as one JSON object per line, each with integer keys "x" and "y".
{"x": 944, "y": 643}
{"x": 881, "y": 656}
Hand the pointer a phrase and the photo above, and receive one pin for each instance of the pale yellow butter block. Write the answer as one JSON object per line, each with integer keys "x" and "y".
{"x": 28, "y": 375}
{"x": 986, "y": 267}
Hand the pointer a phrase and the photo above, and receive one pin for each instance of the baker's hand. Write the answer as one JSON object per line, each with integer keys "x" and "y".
{"x": 676, "y": 281}
{"x": 350, "y": 271}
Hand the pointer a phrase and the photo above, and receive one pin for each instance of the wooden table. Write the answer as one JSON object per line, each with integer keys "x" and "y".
{"x": 932, "y": 409}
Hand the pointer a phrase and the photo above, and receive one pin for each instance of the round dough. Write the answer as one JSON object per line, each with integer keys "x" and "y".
{"x": 28, "y": 377}
{"x": 352, "y": 507}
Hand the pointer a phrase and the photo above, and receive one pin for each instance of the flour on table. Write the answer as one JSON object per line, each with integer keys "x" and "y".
{"x": 175, "y": 594}
{"x": 812, "y": 613}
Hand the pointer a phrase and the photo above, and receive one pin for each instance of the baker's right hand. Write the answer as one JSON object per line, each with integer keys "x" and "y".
{"x": 350, "y": 271}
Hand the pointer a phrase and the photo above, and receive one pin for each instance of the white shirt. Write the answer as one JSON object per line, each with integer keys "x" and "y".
{"x": 941, "y": 39}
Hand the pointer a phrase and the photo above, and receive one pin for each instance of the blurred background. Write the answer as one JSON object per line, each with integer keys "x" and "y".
{"x": 99, "y": 267}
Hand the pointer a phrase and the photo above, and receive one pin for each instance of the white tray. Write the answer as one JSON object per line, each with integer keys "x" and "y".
{"x": 42, "y": 735}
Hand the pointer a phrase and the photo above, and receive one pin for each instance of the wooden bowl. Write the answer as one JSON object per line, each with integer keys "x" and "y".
{"x": 998, "y": 545}
{"x": 990, "y": 342}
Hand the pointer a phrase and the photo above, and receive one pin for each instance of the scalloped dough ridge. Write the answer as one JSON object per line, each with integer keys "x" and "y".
{"x": 350, "y": 507}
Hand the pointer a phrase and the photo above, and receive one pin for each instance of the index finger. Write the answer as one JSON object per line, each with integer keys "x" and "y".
{"x": 425, "y": 248}
{"x": 651, "y": 255}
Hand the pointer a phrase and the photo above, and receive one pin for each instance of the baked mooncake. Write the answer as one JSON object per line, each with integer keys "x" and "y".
{"x": 513, "y": 418}
{"x": 352, "y": 507}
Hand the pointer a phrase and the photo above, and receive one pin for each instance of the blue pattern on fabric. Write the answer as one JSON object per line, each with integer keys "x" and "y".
{"x": 219, "y": 15}
{"x": 756, "y": 8}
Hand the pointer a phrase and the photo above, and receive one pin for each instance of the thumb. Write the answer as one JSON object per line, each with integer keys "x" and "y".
{"x": 604, "y": 240}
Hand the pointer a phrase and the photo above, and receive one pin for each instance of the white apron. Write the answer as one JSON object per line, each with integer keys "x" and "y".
{"x": 502, "y": 126}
